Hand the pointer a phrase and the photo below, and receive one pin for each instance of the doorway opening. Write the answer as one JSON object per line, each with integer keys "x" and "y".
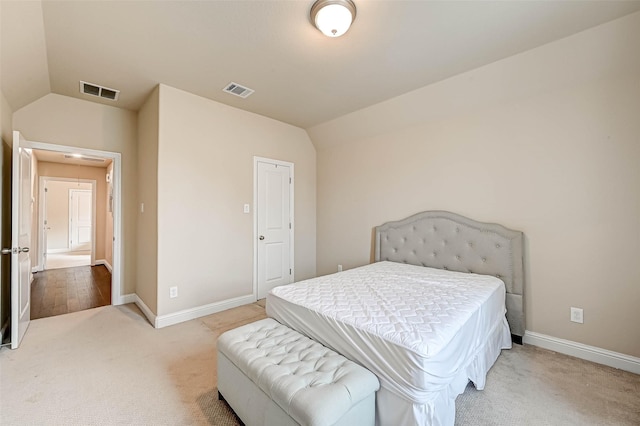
{"x": 66, "y": 221}
{"x": 74, "y": 227}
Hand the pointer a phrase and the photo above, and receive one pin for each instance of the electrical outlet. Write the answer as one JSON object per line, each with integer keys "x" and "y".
{"x": 577, "y": 315}
{"x": 173, "y": 292}
{"x": 339, "y": 268}
{"x": 246, "y": 208}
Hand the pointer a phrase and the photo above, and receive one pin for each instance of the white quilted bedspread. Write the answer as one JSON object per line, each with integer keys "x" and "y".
{"x": 418, "y": 308}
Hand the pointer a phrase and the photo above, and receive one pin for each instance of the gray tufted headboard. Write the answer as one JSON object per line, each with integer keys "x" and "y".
{"x": 445, "y": 240}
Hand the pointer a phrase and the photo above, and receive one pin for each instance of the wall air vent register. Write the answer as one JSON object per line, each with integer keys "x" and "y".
{"x": 99, "y": 91}
{"x": 238, "y": 90}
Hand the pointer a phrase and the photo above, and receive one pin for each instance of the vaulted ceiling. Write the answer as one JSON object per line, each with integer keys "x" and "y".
{"x": 299, "y": 76}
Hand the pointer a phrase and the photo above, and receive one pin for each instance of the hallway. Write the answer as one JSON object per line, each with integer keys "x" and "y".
{"x": 61, "y": 291}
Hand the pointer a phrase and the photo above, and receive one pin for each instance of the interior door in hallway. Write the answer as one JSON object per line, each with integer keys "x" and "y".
{"x": 274, "y": 224}
{"x": 21, "y": 216}
{"x": 80, "y": 218}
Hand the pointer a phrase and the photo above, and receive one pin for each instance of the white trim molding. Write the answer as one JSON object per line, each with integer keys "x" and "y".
{"x": 123, "y": 299}
{"x": 128, "y": 298}
{"x": 108, "y": 266}
{"x": 145, "y": 310}
{"x": 579, "y": 350}
{"x": 161, "y": 321}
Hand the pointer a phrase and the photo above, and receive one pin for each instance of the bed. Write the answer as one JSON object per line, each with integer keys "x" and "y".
{"x": 443, "y": 298}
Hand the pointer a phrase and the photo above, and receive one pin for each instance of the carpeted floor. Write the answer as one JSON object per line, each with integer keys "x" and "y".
{"x": 108, "y": 366}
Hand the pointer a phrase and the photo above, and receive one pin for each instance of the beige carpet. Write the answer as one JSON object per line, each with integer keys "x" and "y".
{"x": 108, "y": 366}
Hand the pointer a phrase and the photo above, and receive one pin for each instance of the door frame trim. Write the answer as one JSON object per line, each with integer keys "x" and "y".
{"x": 291, "y": 166}
{"x": 118, "y": 260}
{"x": 41, "y": 214}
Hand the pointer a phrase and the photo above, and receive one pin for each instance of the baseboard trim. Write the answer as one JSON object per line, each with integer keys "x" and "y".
{"x": 107, "y": 265}
{"x": 57, "y": 251}
{"x": 201, "y": 311}
{"x": 145, "y": 310}
{"x": 127, "y": 298}
{"x": 579, "y": 350}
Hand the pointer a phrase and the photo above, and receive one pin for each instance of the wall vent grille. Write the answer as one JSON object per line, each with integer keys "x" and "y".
{"x": 99, "y": 91}
{"x": 238, "y": 90}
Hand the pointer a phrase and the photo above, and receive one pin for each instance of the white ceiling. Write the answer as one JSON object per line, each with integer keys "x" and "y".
{"x": 300, "y": 76}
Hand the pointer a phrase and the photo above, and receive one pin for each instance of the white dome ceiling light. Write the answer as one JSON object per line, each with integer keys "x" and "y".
{"x": 333, "y": 17}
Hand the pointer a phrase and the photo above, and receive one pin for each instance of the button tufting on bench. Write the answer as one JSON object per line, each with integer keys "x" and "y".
{"x": 292, "y": 370}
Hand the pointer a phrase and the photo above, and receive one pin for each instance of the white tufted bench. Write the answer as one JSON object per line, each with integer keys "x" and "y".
{"x": 272, "y": 375}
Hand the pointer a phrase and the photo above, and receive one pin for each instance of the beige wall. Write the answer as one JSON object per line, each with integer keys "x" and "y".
{"x": 5, "y": 207}
{"x": 205, "y": 175}
{"x": 6, "y": 115}
{"x": 547, "y": 142}
{"x": 147, "y": 229}
{"x": 68, "y": 121}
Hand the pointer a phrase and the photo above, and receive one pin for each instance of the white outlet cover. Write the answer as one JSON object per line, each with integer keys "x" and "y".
{"x": 246, "y": 208}
{"x": 173, "y": 292}
{"x": 577, "y": 315}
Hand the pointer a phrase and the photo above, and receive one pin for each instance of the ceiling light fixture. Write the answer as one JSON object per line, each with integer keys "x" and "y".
{"x": 333, "y": 17}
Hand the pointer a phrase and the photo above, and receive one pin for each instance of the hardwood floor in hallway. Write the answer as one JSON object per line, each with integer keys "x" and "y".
{"x": 61, "y": 291}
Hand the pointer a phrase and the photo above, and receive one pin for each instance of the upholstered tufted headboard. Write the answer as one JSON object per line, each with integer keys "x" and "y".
{"x": 445, "y": 240}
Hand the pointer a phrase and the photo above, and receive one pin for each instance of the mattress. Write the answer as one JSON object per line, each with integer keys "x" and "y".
{"x": 424, "y": 332}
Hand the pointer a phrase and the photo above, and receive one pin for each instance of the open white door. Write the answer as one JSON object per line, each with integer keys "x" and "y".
{"x": 274, "y": 224}
{"x": 21, "y": 206}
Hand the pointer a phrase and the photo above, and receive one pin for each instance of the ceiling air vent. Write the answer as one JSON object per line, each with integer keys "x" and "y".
{"x": 100, "y": 91}
{"x": 84, "y": 157}
{"x": 238, "y": 90}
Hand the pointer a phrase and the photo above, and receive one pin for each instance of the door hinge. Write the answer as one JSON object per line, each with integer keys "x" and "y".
{"x": 289, "y": 181}
{"x": 289, "y": 271}
{"x": 46, "y": 190}
{"x": 289, "y": 225}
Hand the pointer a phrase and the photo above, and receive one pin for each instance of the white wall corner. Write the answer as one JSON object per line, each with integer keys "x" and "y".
{"x": 145, "y": 310}
{"x": 586, "y": 352}
{"x": 108, "y": 266}
{"x": 201, "y": 311}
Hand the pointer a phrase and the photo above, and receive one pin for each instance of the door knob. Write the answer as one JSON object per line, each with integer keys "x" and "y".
{"x": 23, "y": 249}
{"x": 261, "y": 237}
{"x": 6, "y": 251}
